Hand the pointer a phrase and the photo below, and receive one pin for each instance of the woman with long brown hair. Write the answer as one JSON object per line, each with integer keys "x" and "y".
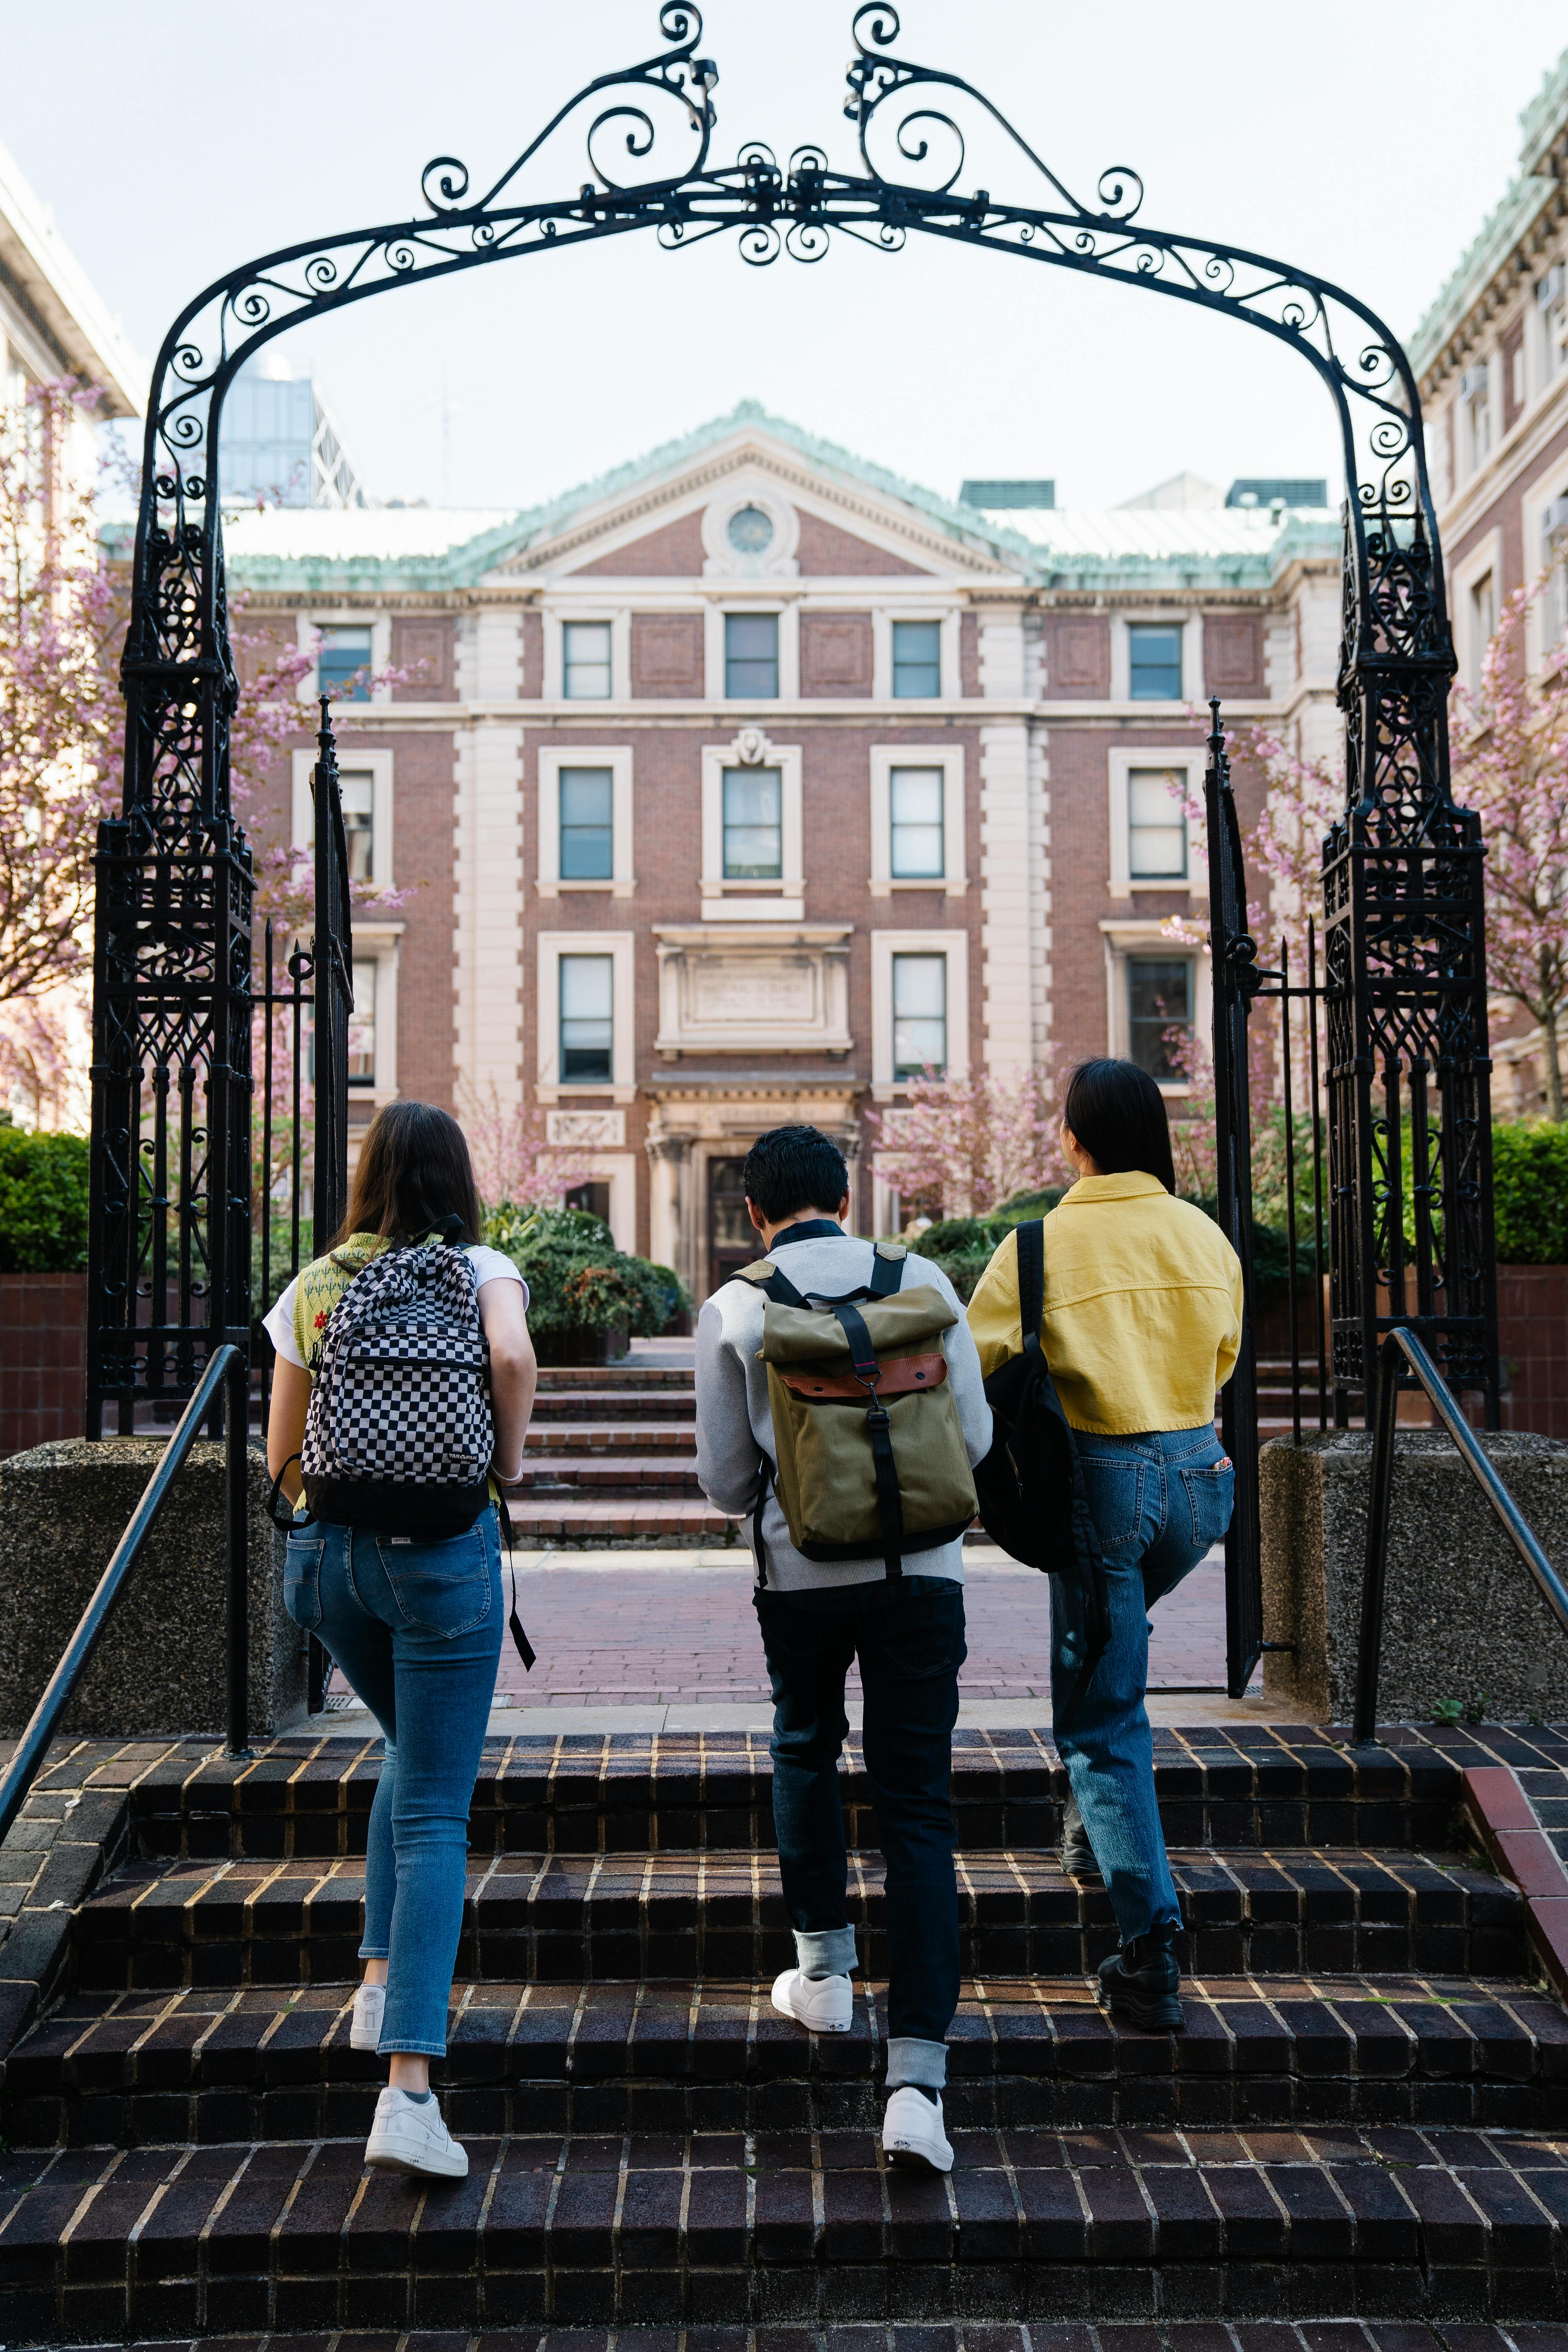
{"x": 413, "y": 1623}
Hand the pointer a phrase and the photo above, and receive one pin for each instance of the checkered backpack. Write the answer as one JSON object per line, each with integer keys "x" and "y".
{"x": 398, "y": 1436}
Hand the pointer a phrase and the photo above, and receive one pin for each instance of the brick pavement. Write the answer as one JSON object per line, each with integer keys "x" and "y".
{"x": 626, "y": 1628}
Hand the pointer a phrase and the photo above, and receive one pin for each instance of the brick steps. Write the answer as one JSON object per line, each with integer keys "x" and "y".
{"x": 635, "y": 1518}
{"x": 658, "y": 1473}
{"x": 1232, "y": 1789}
{"x": 669, "y": 1403}
{"x": 137, "y": 2071}
{"x": 567, "y": 1918}
{"x": 590, "y": 1438}
{"x": 787, "y": 2227}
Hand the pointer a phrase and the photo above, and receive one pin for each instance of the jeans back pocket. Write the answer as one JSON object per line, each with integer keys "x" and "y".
{"x": 1115, "y": 1485}
{"x": 442, "y": 1588}
{"x": 1211, "y": 1498}
{"x": 302, "y": 1581}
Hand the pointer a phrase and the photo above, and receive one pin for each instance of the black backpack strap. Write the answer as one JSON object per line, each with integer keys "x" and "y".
{"x": 889, "y": 1502}
{"x": 1031, "y": 1276}
{"x": 764, "y": 1274}
{"x": 759, "y": 1550}
{"x": 887, "y": 1268}
{"x": 286, "y": 1521}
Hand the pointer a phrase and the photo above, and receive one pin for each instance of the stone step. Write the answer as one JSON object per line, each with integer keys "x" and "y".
{"x": 1234, "y": 1786}
{"x": 628, "y": 1374}
{"x": 138, "y": 2071}
{"x": 654, "y": 1475}
{"x": 719, "y": 2227}
{"x": 643, "y": 1518}
{"x": 590, "y": 1437}
{"x": 668, "y": 1404}
{"x": 566, "y": 1919}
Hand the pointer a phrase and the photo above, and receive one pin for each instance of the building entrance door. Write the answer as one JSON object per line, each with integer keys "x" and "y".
{"x": 733, "y": 1239}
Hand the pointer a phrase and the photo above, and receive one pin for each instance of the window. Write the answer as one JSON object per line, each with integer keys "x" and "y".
{"x": 362, "y": 1024}
{"x": 586, "y": 661}
{"x": 1516, "y": 378}
{"x": 920, "y": 1014}
{"x": 754, "y": 824}
{"x": 1474, "y": 389}
{"x": 357, "y": 786}
{"x": 914, "y": 804}
{"x": 1159, "y": 999}
{"x": 594, "y": 1198}
{"x": 751, "y": 657}
{"x": 1554, "y": 562}
{"x": 1551, "y": 296}
{"x": 1156, "y": 824}
{"x": 587, "y": 826}
{"x": 917, "y": 658}
{"x": 1154, "y": 662}
{"x": 342, "y": 665}
{"x": 751, "y": 532}
{"x": 588, "y": 999}
{"x": 1483, "y": 621}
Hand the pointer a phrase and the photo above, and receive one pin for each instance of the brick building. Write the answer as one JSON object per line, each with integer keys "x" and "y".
{"x": 1491, "y": 356}
{"x": 741, "y": 783}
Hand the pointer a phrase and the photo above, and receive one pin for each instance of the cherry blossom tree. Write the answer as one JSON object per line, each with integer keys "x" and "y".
{"x": 959, "y": 1147}
{"x": 514, "y": 1161}
{"x": 1511, "y": 766}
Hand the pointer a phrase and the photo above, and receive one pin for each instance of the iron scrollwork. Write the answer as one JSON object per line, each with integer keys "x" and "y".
{"x": 1404, "y": 953}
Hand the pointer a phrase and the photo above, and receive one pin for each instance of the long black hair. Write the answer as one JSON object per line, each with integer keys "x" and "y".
{"x": 1117, "y": 1114}
{"x": 414, "y": 1169}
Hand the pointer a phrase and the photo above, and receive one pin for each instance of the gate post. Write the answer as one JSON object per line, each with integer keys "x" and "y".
{"x": 1404, "y": 954}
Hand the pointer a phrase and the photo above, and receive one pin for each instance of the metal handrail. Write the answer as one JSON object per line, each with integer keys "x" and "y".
{"x": 226, "y": 1365}
{"x": 1380, "y": 1504}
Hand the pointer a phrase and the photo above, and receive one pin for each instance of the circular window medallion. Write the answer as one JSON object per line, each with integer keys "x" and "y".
{"x": 751, "y": 531}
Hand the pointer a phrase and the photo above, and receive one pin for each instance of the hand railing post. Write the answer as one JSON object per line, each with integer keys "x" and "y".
{"x": 237, "y": 1463}
{"x": 1379, "y": 1507}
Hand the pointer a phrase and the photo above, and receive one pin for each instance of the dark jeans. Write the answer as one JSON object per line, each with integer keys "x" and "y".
{"x": 908, "y": 1637}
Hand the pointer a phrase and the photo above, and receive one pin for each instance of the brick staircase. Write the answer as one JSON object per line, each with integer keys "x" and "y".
{"x": 611, "y": 1458}
{"x": 1359, "y": 2120}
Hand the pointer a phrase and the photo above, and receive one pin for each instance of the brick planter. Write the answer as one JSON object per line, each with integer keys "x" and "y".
{"x": 1532, "y": 1341}
{"x": 43, "y": 1359}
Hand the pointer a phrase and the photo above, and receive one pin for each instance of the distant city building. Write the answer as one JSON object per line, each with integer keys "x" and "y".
{"x": 278, "y": 446}
{"x": 746, "y": 783}
{"x": 998, "y": 497}
{"x": 1491, "y": 357}
{"x": 1278, "y": 490}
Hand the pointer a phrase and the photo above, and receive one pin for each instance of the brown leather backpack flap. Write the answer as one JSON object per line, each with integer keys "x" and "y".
{"x": 900, "y": 1376}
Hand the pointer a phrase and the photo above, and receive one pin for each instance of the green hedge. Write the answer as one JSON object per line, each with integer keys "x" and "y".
{"x": 43, "y": 1202}
{"x": 577, "y": 1279}
{"x": 1529, "y": 1187}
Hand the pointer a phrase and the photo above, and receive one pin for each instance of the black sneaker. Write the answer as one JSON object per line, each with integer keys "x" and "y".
{"x": 1077, "y": 1853}
{"x": 1143, "y": 1981}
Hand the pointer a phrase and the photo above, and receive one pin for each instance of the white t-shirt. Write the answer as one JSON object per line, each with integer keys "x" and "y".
{"x": 489, "y": 1264}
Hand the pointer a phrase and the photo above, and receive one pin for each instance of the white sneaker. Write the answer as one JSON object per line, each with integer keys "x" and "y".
{"x": 408, "y": 2136}
{"x": 912, "y": 2131}
{"x": 370, "y": 2002}
{"x": 824, "y": 2004}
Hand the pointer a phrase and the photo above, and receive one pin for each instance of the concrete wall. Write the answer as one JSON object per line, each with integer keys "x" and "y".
{"x": 1464, "y": 1619}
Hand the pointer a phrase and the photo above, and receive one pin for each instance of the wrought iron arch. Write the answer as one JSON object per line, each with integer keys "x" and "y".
{"x": 1407, "y": 1009}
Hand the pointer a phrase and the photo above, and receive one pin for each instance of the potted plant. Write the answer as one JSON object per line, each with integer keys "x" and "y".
{"x": 587, "y": 1299}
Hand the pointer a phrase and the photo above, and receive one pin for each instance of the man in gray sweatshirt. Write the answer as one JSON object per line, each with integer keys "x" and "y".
{"x": 815, "y": 1617}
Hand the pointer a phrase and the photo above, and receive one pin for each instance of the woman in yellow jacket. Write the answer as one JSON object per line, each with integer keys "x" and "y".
{"x": 1141, "y": 1324}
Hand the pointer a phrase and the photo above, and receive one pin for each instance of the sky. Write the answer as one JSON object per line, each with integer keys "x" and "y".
{"x": 1362, "y": 139}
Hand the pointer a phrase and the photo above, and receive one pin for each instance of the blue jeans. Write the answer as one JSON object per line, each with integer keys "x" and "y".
{"x": 1159, "y": 1501}
{"x": 908, "y": 1636}
{"x": 417, "y": 1628}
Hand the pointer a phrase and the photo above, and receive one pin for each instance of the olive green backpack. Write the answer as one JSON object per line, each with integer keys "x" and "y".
{"x": 870, "y": 1447}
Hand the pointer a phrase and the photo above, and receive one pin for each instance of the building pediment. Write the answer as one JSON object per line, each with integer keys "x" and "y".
{"x": 755, "y": 501}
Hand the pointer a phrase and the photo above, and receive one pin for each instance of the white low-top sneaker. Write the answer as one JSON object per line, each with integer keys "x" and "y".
{"x": 912, "y": 2131}
{"x": 369, "y": 2004}
{"x": 824, "y": 2004}
{"x": 408, "y": 2136}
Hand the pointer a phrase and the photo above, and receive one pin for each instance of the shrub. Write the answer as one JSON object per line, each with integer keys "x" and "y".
{"x": 578, "y": 1279}
{"x": 964, "y": 1247}
{"x": 1529, "y": 1186}
{"x": 43, "y": 1202}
